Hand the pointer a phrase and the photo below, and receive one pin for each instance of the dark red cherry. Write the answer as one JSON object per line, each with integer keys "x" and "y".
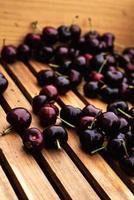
{"x": 44, "y": 54}
{"x": 75, "y": 78}
{"x": 63, "y": 84}
{"x": 91, "y": 89}
{"x": 73, "y": 53}
{"x": 19, "y": 119}
{"x": 109, "y": 39}
{"x": 90, "y": 110}
{"x": 91, "y": 140}
{"x": 124, "y": 125}
{"x": 108, "y": 93}
{"x": 50, "y": 91}
{"x": 127, "y": 164}
{"x": 96, "y": 76}
{"x": 131, "y": 111}
{"x": 50, "y": 35}
{"x": 114, "y": 78}
{"x": 117, "y": 107}
{"x": 109, "y": 122}
{"x": 9, "y": 53}
{"x": 3, "y": 83}
{"x": 61, "y": 54}
{"x": 80, "y": 64}
{"x": 33, "y": 40}
{"x": 97, "y": 61}
{"x": 130, "y": 138}
{"x": 64, "y": 33}
{"x": 81, "y": 45}
{"x": 45, "y": 77}
{"x": 38, "y": 102}
{"x": 75, "y": 31}
{"x": 47, "y": 115}
{"x": 64, "y": 67}
{"x": 129, "y": 50}
{"x": 84, "y": 123}
{"x": 33, "y": 140}
{"x": 55, "y": 137}
{"x": 70, "y": 114}
{"x": 92, "y": 35}
{"x": 23, "y": 52}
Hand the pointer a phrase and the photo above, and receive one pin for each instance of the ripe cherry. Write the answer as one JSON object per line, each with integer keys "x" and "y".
{"x": 9, "y": 54}
{"x": 3, "y": 83}
{"x": 45, "y": 77}
{"x": 50, "y": 91}
{"x": 38, "y": 102}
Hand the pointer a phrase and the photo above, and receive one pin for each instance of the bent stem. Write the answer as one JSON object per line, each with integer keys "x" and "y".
{"x": 72, "y": 126}
{"x": 58, "y": 144}
{"x": 124, "y": 113}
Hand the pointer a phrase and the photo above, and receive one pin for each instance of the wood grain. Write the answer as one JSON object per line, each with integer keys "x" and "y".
{"x": 112, "y": 15}
{"x": 97, "y": 172}
{"x": 6, "y": 191}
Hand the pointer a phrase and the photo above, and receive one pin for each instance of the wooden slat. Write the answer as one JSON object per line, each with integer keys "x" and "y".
{"x": 117, "y": 189}
{"x": 115, "y": 16}
{"x": 59, "y": 161}
{"x": 6, "y": 190}
{"x": 31, "y": 178}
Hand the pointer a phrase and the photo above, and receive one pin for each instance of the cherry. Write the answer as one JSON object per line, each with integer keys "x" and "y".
{"x": 80, "y": 64}
{"x": 50, "y": 35}
{"x": 97, "y": 61}
{"x": 38, "y": 102}
{"x": 75, "y": 78}
{"x": 61, "y": 53}
{"x": 75, "y": 32}
{"x": 63, "y": 84}
{"x": 91, "y": 89}
{"x": 109, "y": 39}
{"x": 93, "y": 45}
{"x": 90, "y": 110}
{"x": 47, "y": 115}
{"x": 45, "y": 77}
{"x": 96, "y": 76}
{"x": 64, "y": 67}
{"x": 116, "y": 106}
{"x": 50, "y": 91}
{"x": 129, "y": 50}
{"x": 23, "y": 52}
{"x": 44, "y": 54}
{"x": 33, "y": 40}
{"x": 127, "y": 164}
{"x": 55, "y": 137}
{"x": 131, "y": 111}
{"x": 130, "y": 138}
{"x": 19, "y": 119}
{"x": 114, "y": 78}
{"x": 9, "y": 53}
{"x": 91, "y": 139}
{"x": 3, "y": 83}
{"x": 124, "y": 125}
{"x": 73, "y": 53}
{"x": 80, "y": 44}
{"x": 33, "y": 140}
{"x": 64, "y": 33}
{"x": 109, "y": 94}
{"x": 70, "y": 114}
{"x": 84, "y": 123}
{"x": 109, "y": 122}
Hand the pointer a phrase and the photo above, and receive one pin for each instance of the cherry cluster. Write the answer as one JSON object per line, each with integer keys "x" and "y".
{"x": 108, "y": 74}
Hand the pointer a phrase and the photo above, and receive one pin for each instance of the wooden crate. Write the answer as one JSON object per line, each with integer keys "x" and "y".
{"x": 69, "y": 173}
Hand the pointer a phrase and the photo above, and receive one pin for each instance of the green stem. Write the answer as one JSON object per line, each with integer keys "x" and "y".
{"x": 131, "y": 86}
{"x": 124, "y": 113}
{"x": 96, "y": 150}
{"x": 125, "y": 148}
{"x": 90, "y": 23}
{"x": 53, "y": 65}
{"x": 58, "y": 144}
{"x": 91, "y": 126}
{"x": 72, "y": 126}
{"x": 103, "y": 64}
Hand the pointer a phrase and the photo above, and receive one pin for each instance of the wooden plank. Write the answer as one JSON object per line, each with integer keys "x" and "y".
{"x": 59, "y": 161}
{"x": 6, "y": 190}
{"x": 93, "y": 163}
{"x": 29, "y": 174}
{"x": 115, "y": 16}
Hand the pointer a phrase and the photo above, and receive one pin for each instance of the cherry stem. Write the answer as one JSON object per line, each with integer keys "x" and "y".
{"x": 75, "y": 18}
{"x": 101, "y": 67}
{"x": 58, "y": 144}
{"x": 124, "y": 113}
{"x": 53, "y": 65}
{"x": 34, "y": 26}
{"x": 96, "y": 150}
{"x": 103, "y": 87}
{"x": 131, "y": 86}
{"x": 4, "y": 42}
{"x": 125, "y": 148}
{"x": 90, "y": 23}
{"x": 72, "y": 126}
{"x": 6, "y": 131}
{"x": 91, "y": 126}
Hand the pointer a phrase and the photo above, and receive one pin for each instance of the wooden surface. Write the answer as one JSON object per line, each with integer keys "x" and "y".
{"x": 70, "y": 173}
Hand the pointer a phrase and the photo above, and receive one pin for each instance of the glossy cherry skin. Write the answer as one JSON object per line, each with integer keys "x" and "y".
{"x": 109, "y": 94}
{"x": 75, "y": 31}
{"x": 70, "y": 114}
{"x": 109, "y": 122}
{"x": 90, "y": 110}
{"x": 91, "y": 139}
{"x": 61, "y": 54}
{"x": 19, "y": 118}
{"x": 47, "y": 115}
{"x": 38, "y": 102}
{"x": 64, "y": 33}
{"x": 115, "y": 146}
{"x": 91, "y": 89}
{"x": 114, "y": 106}
{"x": 114, "y": 78}
{"x": 9, "y": 54}
{"x": 92, "y": 35}
{"x": 33, "y": 40}
{"x": 3, "y": 83}
{"x": 109, "y": 39}
{"x": 64, "y": 67}
{"x": 63, "y": 84}
{"x": 55, "y": 133}
{"x": 33, "y": 140}
{"x": 124, "y": 125}
{"x": 84, "y": 123}
{"x": 50, "y": 35}
{"x": 95, "y": 76}
{"x": 127, "y": 164}
{"x": 44, "y": 54}
{"x": 23, "y": 52}
{"x": 75, "y": 78}
{"x": 80, "y": 64}
{"x": 50, "y": 91}
{"x": 97, "y": 62}
{"x": 45, "y": 77}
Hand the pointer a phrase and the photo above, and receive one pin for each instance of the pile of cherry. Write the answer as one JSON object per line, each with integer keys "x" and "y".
{"x": 108, "y": 74}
